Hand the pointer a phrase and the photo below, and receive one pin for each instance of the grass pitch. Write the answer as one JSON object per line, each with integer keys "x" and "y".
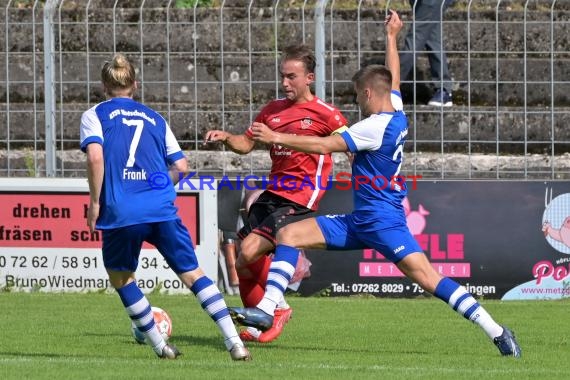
{"x": 82, "y": 336}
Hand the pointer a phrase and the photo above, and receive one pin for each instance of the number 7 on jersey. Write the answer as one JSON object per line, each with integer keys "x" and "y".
{"x": 139, "y": 124}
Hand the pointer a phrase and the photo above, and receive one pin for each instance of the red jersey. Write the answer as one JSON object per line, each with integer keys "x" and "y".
{"x": 300, "y": 177}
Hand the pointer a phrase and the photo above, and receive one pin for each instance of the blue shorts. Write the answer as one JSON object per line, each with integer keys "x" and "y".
{"x": 122, "y": 246}
{"x": 389, "y": 236}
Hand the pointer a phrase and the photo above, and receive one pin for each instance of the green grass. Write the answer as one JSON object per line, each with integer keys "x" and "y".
{"x": 65, "y": 336}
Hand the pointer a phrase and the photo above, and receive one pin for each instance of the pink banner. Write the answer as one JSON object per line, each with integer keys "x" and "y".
{"x": 373, "y": 269}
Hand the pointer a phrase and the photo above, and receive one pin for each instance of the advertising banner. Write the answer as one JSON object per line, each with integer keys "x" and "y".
{"x": 500, "y": 239}
{"x": 45, "y": 243}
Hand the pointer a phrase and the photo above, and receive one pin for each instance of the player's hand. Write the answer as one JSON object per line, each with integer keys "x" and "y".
{"x": 393, "y": 23}
{"x": 261, "y": 132}
{"x": 216, "y": 135}
{"x": 92, "y": 215}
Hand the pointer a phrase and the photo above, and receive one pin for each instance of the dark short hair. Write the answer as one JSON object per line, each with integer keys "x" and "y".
{"x": 301, "y": 53}
{"x": 377, "y": 77}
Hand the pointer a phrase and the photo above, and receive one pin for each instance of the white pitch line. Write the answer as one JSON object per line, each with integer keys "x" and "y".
{"x": 197, "y": 364}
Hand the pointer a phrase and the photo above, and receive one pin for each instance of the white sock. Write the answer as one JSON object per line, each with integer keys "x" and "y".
{"x": 139, "y": 310}
{"x": 267, "y": 305}
{"x": 158, "y": 348}
{"x": 486, "y": 322}
{"x": 215, "y": 306}
{"x": 254, "y": 332}
{"x": 280, "y": 273}
{"x": 282, "y": 304}
{"x": 468, "y": 306}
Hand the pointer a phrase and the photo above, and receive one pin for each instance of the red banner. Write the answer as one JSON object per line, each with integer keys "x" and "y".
{"x": 58, "y": 219}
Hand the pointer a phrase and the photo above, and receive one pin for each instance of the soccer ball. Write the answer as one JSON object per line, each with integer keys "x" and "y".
{"x": 163, "y": 324}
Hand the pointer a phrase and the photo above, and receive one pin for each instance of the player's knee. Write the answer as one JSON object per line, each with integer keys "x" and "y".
{"x": 190, "y": 277}
{"x": 241, "y": 264}
{"x": 246, "y": 253}
{"x": 119, "y": 279}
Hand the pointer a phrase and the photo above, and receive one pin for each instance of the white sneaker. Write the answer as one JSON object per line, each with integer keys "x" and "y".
{"x": 169, "y": 352}
{"x": 239, "y": 352}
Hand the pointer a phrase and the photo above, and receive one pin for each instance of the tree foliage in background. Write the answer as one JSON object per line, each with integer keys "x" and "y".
{"x": 192, "y": 3}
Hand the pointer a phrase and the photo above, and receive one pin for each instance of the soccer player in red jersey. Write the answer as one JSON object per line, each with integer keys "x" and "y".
{"x": 296, "y": 182}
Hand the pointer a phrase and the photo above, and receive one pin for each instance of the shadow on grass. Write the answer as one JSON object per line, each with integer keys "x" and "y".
{"x": 181, "y": 339}
{"x": 192, "y": 340}
{"x": 33, "y": 354}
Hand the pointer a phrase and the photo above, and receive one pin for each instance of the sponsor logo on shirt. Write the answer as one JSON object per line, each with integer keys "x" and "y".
{"x": 279, "y": 150}
{"x": 306, "y": 123}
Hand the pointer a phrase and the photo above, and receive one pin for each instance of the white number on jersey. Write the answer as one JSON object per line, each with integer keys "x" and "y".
{"x": 139, "y": 124}
{"x": 399, "y": 152}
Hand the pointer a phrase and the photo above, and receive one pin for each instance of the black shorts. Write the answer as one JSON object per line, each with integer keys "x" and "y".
{"x": 269, "y": 213}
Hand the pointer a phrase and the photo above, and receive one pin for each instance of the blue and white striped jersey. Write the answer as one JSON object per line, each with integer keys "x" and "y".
{"x": 138, "y": 148}
{"x": 378, "y": 142}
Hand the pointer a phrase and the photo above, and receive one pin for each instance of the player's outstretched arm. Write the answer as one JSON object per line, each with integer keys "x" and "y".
{"x": 95, "y": 172}
{"x": 307, "y": 144}
{"x": 393, "y": 27}
{"x": 240, "y": 144}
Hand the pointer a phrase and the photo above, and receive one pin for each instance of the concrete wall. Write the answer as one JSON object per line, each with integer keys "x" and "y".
{"x": 521, "y": 118}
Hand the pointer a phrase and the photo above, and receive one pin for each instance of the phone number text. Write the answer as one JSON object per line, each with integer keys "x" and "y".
{"x": 375, "y": 288}
{"x": 49, "y": 262}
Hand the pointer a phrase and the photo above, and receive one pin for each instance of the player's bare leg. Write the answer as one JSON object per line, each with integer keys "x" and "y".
{"x": 303, "y": 234}
{"x": 252, "y": 266}
{"x": 418, "y": 268}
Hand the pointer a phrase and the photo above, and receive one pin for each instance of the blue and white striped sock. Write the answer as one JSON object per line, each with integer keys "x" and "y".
{"x": 281, "y": 271}
{"x": 214, "y": 304}
{"x": 139, "y": 310}
{"x": 465, "y": 304}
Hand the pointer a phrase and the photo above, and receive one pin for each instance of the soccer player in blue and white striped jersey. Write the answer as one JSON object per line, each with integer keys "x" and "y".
{"x": 126, "y": 142}
{"x": 378, "y": 220}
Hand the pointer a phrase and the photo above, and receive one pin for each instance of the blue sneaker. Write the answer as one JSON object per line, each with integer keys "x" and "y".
{"x": 441, "y": 98}
{"x": 507, "y": 344}
{"x": 252, "y": 317}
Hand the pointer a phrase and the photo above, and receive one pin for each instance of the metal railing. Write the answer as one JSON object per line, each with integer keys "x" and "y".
{"x": 215, "y": 66}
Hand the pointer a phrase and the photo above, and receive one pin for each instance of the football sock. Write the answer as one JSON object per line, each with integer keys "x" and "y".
{"x": 214, "y": 304}
{"x": 252, "y": 289}
{"x": 465, "y": 304}
{"x": 280, "y": 273}
{"x": 282, "y": 304}
{"x": 254, "y": 332}
{"x": 139, "y": 310}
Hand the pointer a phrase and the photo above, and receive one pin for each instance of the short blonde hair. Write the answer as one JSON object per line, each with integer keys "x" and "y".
{"x": 118, "y": 74}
